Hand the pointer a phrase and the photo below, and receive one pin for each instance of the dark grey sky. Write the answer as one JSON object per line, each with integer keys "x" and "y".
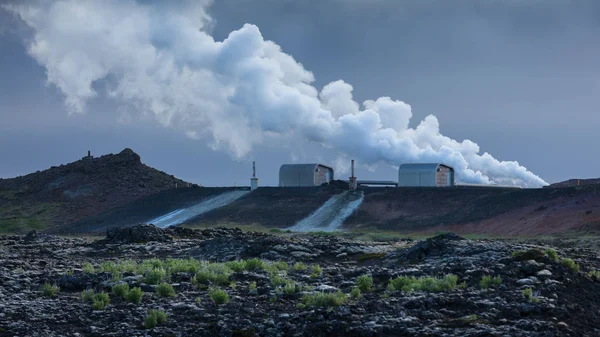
{"x": 520, "y": 78}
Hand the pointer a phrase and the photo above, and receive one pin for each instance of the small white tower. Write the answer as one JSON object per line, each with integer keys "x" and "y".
{"x": 253, "y": 180}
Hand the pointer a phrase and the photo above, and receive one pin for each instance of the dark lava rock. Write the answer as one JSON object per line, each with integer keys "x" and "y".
{"x": 437, "y": 245}
{"x": 138, "y": 234}
{"x": 74, "y": 282}
{"x": 336, "y": 185}
{"x": 31, "y": 236}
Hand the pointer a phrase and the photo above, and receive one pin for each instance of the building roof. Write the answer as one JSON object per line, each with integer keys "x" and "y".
{"x": 300, "y": 167}
{"x": 421, "y": 167}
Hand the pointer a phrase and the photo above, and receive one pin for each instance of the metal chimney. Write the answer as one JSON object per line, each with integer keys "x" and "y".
{"x": 353, "y": 183}
{"x": 253, "y": 180}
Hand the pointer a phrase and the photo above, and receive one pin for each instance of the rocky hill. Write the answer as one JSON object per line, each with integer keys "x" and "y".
{"x": 68, "y": 193}
{"x": 144, "y": 281}
{"x": 575, "y": 182}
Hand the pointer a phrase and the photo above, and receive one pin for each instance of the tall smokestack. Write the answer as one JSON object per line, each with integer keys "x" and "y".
{"x": 253, "y": 180}
{"x": 353, "y": 182}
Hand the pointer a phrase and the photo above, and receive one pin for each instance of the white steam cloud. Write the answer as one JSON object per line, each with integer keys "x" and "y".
{"x": 160, "y": 58}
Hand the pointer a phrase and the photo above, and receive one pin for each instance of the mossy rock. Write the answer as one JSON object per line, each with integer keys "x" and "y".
{"x": 530, "y": 254}
{"x": 370, "y": 256}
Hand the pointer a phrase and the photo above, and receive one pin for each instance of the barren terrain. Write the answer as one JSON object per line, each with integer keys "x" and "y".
{"x": 292, "y": 285}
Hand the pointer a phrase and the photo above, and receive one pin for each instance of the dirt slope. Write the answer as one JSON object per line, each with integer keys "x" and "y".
{"x": 270, "y": 207}
{"x": 143, "y": 209}
{"x": 68, "y": 193}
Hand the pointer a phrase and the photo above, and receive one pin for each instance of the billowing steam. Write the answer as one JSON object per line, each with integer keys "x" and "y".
{"x": 158, "y": 57}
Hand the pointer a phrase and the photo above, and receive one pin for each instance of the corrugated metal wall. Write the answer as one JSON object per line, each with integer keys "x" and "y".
{"x": 323, "y": 175}
{"x": 417, "y": 178}
{"x": 444, "y": 176}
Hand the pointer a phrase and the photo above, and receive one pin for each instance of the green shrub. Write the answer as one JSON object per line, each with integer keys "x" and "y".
{"x": 174, "y": 266}
{"x": 355, "y": 293}
{"x": 100, "y": 301}
{"x": 316, "y": 271}
{"x": 165, "y": 290}
{"x": 233, "y": 285}
{"x": 569, "y": 263}
{"x": 488, "y": 281}
{"x": 281, "y": 265}
{"x": 237, "y": 265}
{"x": 299, "y": 266}
{"x": 135, "y": 295}
{"x": 364, "y": 283}
{"x": 594, "y": 273}
{"x": 552, "y": 254}
{"x": 320, "y": 299}
{"x": 289, "y": 288}
{"x": 275, "y": 230}
{"x": 155, "y": 275}
{"x": 154, "y": 318}
{"x": 109, "y": 267}
{"x": 252, "y": 288}
{"x": 255, "y": 264}
{"x": 120, "y": 290}
{"x": 277, "y": 279}
{"x": 50, "y": 290}
{"x": 218, "y": 296}
{"x": 87, "y": 268}
{"x": 208, "y": 276}
{"x": 528, "y": 293}
{"x": 427, "y": 284}
{"x": 128, "y": 266}
{"x": 87, "y": 295}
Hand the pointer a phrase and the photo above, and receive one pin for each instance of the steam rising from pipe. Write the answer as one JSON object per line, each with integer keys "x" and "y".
{"x": 159, "y": 58}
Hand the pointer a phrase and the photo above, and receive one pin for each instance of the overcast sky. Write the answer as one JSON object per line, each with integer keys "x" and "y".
{"x": 519, "y": 78}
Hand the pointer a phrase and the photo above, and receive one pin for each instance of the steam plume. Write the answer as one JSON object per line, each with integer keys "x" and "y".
{"x": 237, "y": 92}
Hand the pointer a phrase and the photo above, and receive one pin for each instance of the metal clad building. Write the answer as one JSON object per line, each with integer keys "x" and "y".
{"x": 304, "y": 175}
{"x": 432, "y": 175}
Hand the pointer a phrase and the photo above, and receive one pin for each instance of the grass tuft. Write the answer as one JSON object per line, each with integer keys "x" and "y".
{"x": 155, "y": 275}
{"x": 218, "y": 296}
{"x": 165, "y": 290}
{"x": 154, "y": 318}
{"x": 320, "y": 299}
{"x": 120, "y": 290}
{"x": 50, "y": 290}
{"x": 570, "y": 264}
{"x": 487, "y": 281}
{"x": 552, "y": 254}
{"x": 364, "y": 283}
{"x": 135, "y": 295}
{"x": 426, "y": 284}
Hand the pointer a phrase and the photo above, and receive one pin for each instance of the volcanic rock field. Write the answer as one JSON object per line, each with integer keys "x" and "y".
{"x": 147, "y": 281}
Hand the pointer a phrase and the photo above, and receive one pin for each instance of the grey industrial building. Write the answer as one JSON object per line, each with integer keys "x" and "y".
{"x": 291, "y": 175}
{"x": 425, "y": 175}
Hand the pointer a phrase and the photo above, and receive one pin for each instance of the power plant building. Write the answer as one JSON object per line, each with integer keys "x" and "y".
{"x": 291, "y": 175}
{"x": 425, "y": 175}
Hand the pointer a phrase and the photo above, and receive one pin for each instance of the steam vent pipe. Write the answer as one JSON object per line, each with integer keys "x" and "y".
{"x": 353, "y": 183}
{"x": 253, "y": 180}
